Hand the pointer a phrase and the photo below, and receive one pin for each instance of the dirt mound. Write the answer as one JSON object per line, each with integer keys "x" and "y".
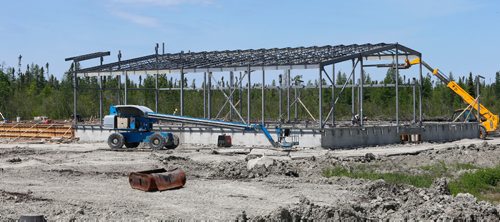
{"x": 382, "y": 201}
{"x": 228, "y": 169}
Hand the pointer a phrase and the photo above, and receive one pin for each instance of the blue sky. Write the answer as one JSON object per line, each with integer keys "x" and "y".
{"x": 461, "y": 36}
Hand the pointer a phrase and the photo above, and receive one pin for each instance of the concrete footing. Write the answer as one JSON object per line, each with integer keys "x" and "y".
{"x": 333, "y": 138}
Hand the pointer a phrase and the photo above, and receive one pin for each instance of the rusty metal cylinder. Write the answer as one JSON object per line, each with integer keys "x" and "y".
{"x": 157, "y": 180}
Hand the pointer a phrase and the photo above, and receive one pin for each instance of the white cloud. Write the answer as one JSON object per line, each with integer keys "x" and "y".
{"x": 137, "y": 19}
{"x": 163, "y": 2}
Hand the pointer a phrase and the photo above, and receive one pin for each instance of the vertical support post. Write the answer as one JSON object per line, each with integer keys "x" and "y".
{"x": 320, "y": 99}
{"x": 209, "y": 110}
{"x": 414, "y": 101}
{"x": 263, "y": 97}
{"x": 361, "y": 82}
{"x": 397, "y": 87}
{"x": 240, "y": 96}
{"x": 75, "y": 91}
{"x": 100, "y": 93}
{"x": 478, "y": 84}
{"x": 420, "y": 85}
{"x": 295, "y": 102}
{"x": 333, "y": 95}
{"x": 156, "y": 78}
{"x": 280, "y": 97}
{"x": 353, "y": 90}
{"x": 182, "y": 92}
{"x": 205, "y": 95}
{"x": 249, "y": 90}
{"x": 287, "y": 81}
{"x": 231, "y": 97}
{"x": 126, "y": 88}
{"x": 119, "y": 77}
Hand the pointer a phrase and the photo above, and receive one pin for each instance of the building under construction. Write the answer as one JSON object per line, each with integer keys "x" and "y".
{"x": 252, "y": 65}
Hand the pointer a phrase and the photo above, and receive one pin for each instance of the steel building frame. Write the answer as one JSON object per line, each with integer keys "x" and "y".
{"x": 251, "y": 61}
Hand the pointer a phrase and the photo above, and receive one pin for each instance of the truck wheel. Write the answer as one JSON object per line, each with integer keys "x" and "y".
{"x": 174, "y": 143}
{"x": 116, "y": 141}
{"x": 156, "y": 141}
{"x": 482, "y": 132}
{"x": 132, "y": 145}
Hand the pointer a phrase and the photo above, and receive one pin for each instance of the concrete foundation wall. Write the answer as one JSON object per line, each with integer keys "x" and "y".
{"x": 195, "y": 135}
{"x": 342, "y": 137}
{"x": 382, "y": 135}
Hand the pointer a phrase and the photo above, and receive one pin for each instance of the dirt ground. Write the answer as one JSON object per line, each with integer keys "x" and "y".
{"x": 68, "y": 182}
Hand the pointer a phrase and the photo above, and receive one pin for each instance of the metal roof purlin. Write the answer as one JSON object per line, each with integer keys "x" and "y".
{"x": 275, "y": 58}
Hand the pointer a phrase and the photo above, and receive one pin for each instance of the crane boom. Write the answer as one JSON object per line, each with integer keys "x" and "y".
{"x": 490, "y": 122}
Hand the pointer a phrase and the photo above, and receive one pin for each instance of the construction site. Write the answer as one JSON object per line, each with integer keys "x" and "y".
{"x": 319, "y": 157}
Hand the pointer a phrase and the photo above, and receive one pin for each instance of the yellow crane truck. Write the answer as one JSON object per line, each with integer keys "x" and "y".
{"x": 488, "y": 120}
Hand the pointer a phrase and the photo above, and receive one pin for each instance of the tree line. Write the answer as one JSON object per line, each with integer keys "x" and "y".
{"x": 36, "y": 93}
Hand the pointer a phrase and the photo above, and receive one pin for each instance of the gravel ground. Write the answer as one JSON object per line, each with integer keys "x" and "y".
{"x": 90, "y": 182}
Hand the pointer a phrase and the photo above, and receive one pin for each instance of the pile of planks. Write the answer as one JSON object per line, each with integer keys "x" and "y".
{"x": 36, "y": 130}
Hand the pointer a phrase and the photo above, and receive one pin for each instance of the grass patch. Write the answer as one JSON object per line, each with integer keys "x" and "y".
{"x": 424, "y": 180}
{"x": 483, "y": 184}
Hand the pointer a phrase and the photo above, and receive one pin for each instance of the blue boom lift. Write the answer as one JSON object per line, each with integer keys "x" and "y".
{"x": 134, "y": 125}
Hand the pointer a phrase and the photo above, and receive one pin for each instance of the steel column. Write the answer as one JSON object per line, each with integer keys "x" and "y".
{"x": 361, "y": 82}
{"x": 119, "y": 78}
{"x": 296, "y": 108}
{"x": 320, "y": 99}
{"x": 353, "y": 90}
{"x": 231, "y": 86}
{"x": 288, "y": 95}
{"x": 100, "y": 94}
{"x": 156, "y": 79}
{"x": 209, "y": 98}
{"x": 420, "y": 85}
{"x": 249, "y": 88}
{"x": 414, "y": 88}
{"x": 263, "y": 97}
{"x": 333, "y": 94}
{"x": 126, "y": 88}
{"x": 75, "y": 91}
{"x": 240, "y": 96}
{"x": 205, "y": 95}
{"x": 182, "y": 92}
{"x": 397, "y": 87}
{"x": 280, "y": 97}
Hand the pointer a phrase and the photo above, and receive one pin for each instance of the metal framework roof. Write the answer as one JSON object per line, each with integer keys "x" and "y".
{"x": 237, "y": 60}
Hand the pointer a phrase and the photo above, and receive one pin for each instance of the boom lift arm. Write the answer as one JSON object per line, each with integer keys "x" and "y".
{"x": 490, "y": 120}
{"x": 230, "y": 125}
